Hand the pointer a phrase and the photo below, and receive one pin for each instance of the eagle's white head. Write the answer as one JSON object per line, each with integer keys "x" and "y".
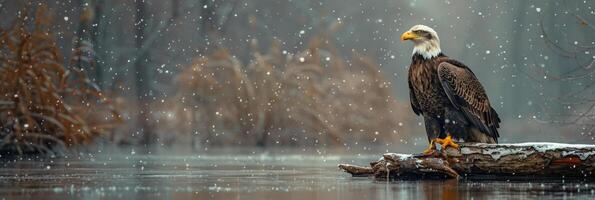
{"x": 425, "y": 40}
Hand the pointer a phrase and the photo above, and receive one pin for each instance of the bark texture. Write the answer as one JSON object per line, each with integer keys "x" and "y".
{"x": 487, "y": 161}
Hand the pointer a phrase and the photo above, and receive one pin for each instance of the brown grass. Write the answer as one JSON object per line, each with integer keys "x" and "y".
{"x": 313, "y": 97}
{"x": 44, "y": 106}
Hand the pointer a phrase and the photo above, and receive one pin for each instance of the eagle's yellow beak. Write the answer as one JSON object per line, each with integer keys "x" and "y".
{"x": 408, "y": 36}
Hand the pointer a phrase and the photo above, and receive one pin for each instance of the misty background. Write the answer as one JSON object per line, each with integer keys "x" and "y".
{"x": 141, "y": 51}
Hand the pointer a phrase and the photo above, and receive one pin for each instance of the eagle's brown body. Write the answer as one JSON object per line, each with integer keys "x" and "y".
{"x": 451, "y": 100}
{"x": 425, "y": 87}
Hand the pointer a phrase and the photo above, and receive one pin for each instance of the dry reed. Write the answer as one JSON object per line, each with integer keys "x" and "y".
{"x": 45, "y": 107}
{"x": 314, "y": 97}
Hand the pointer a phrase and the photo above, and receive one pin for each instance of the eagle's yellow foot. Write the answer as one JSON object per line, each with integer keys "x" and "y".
{"x": 447, "y": 142}
{"x": 444, "y": 143}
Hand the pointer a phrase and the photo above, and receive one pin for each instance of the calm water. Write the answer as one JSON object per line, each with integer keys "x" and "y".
{"x": 248, "y": 175}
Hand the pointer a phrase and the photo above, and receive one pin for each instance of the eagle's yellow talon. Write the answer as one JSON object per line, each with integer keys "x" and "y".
{"x": 444, "y": 143}
{"x": 448, "y": 142}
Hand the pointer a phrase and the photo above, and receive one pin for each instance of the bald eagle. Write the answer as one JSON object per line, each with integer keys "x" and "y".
{"x": 447, "y": 94}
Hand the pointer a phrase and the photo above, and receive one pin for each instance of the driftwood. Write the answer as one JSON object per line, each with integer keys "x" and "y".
{"x": 487, "y": 161}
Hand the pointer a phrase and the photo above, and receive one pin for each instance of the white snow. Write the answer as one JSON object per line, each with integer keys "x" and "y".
{"x": 398, "y": 156}
{"x": 583, "y": 151}
{"x": 542, "y": 147}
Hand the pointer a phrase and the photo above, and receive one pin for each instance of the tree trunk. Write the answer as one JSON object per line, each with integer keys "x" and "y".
{"x": 83, "y": 35}
{"x": 142, "y": 79}
{"x": 487, "y": 161}
{"x": 97, "y": 13}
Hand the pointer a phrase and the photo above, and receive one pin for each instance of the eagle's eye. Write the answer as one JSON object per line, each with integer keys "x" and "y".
{"x": 423, "y": 33}
{"x": 428, "y": 35}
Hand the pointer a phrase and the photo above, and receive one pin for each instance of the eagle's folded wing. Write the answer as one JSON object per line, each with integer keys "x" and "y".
{"x": 466, "y": 93}
{"x": 414, "y": 103}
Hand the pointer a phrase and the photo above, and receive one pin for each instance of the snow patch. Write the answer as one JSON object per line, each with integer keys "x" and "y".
{"x": 496, "y": 153}
{"x": 581, "y": 155}
{"x": 398, "y": 156}
{"x": 499, "y": 150}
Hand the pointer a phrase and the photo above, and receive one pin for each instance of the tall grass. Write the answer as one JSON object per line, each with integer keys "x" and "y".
{"x": 315, "y": 97}
{"x": 45, "y": 107}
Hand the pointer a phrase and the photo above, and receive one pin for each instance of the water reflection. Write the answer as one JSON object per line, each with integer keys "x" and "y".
{"x": 249, "y": 176}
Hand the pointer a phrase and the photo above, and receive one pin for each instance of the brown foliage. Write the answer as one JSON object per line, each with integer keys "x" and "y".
{"x": 44, "y": 107}
{"x": 314, "y": 97}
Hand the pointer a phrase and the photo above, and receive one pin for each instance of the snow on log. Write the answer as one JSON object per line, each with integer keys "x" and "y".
{"x": 487, "y": 161}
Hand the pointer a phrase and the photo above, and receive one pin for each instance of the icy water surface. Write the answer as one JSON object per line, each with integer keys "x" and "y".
{"x": 243, "y": 176}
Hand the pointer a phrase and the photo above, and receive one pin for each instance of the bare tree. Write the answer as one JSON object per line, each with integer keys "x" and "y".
{"x": 84, "y": 46}
{"x": 143, "y": 78}
{"x": 574, "y": 74}
{"x": 96, "y": 9}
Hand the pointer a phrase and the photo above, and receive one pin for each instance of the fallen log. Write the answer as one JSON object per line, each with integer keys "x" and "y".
{"x": 475, "y": 161}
